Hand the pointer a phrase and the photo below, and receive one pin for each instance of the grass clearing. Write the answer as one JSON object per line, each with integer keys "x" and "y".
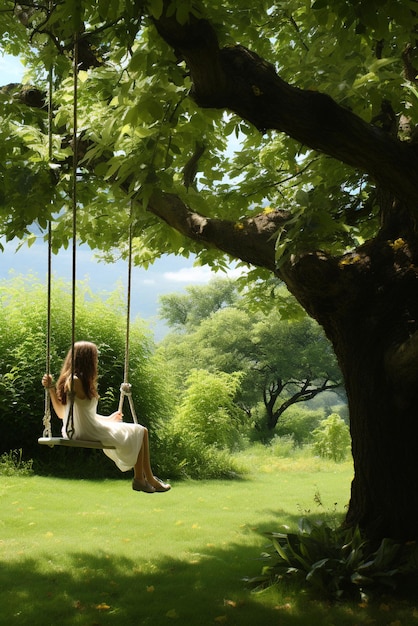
{"x": 97, "y": 553}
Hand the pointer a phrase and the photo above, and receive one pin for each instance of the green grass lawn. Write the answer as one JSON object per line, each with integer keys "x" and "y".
{"x": 97, "y": 553}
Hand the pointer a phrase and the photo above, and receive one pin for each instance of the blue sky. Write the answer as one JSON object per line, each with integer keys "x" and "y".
{"x": 167, "y": 275}
{"x": 11, "y": 69}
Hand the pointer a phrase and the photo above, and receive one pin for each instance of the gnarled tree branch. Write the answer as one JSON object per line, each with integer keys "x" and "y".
{"x": 237, "y": 79}
{"x": 252, "y": 239}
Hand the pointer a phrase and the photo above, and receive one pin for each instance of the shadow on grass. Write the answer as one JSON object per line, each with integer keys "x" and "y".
{"x": 77, "y": 463}
{"x": 96, "y": 589}
{"x": 205, "y": 589}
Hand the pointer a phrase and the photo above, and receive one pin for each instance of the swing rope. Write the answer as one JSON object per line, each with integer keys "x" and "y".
{"x": 47, "y": 415}
{"x": 126, "y": 387}
{"x": 47, "y": 433}
{"x": 70, "y": 420}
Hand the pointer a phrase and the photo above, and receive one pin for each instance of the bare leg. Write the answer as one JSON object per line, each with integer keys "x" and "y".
{"x": 142, "y": 469}
{"x": 143, "y": 466}
{"x": 139, "y": 465}
{"x": 146, "y": 459}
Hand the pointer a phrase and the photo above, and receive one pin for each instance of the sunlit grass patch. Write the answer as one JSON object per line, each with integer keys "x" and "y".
{"x": 264, "y": 459}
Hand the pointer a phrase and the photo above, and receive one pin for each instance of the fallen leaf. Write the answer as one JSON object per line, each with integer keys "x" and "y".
{"x": 230, "y": 603}
{"x": 172, "y": 613}
{"x": 151, "y": 588}
{"x": 221, "y": 619}
{"x": 103, "y": 607}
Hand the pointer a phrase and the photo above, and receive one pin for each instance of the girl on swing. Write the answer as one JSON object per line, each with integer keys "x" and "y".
{"x": 129, "y": 440}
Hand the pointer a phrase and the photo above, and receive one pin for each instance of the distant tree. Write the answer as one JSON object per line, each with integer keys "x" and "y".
{"x": 185, "y": 311}
{"x": 282, "y": 362}
{"x": 295, "y": 363}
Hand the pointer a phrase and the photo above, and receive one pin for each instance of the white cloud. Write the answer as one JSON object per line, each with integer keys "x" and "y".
{"x": 236, "y": 272}
{"x": 203, "y": 274}
{"x": 190, "y": 275}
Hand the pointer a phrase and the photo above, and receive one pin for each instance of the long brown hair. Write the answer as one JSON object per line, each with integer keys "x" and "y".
{"x": 85, "y": 368}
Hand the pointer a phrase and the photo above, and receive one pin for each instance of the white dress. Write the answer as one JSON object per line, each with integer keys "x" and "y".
{"x": 88, "y": 425}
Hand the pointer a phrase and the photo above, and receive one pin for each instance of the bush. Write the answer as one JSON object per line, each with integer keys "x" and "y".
{"x": 299, "y": 423}
{"x": 205, "y": 428}
{"x": 332, "y": 438}
{"x": 207, "y": 413}
{"x": 188, "y": 458}
{"x": 282, "y": 446}
{"x": 12, "y": 464}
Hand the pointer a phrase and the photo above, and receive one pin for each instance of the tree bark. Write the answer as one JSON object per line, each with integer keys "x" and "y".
{"x": 252, "y": 239}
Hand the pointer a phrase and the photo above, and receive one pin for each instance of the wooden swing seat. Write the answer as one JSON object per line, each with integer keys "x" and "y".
{"x": 73, "y": 443}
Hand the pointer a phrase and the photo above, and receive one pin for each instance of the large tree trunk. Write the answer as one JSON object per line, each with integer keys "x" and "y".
{"x": 368, "y": 305}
